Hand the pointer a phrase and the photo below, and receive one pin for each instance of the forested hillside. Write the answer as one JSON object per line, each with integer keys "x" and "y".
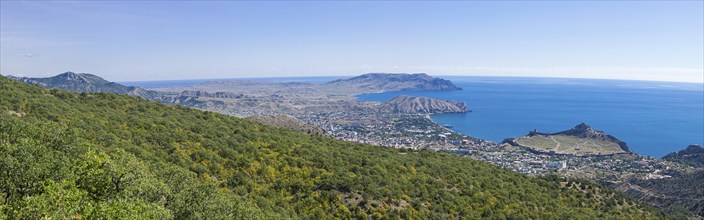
{"x": 98, "y": 155}
{"x": 693, "y": 156}
{"x": 682, "y": 191}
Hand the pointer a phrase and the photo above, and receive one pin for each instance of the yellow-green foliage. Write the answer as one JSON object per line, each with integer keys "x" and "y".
{"x": 107, "y": 156}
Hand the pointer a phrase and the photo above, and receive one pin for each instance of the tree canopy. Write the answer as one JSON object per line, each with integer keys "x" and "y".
{"x": 108, "y": 156}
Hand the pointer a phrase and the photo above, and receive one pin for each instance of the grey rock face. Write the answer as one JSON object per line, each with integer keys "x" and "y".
{"x": 410, "y": 104}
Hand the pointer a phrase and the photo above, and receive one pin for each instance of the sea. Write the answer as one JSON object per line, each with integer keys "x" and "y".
{"x": 653, "y": 118}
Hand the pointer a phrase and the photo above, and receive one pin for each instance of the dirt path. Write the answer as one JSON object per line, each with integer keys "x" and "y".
{"x": 557, "y": 143}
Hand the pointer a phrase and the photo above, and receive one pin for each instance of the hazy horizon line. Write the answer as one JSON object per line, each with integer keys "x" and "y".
{"x": 313, "y": 76}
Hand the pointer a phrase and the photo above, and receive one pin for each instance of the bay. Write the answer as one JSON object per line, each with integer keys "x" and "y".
{"x": 653, "y": 118}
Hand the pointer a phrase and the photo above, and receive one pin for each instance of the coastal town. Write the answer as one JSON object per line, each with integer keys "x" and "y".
{"x": 418, "y": 131}
{"x": 369, "y": 126}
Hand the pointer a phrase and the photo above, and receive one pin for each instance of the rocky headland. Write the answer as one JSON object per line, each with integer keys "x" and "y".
{"x": 423, "y": 105}
{"x": 380, "y": 82}
{"x": 582, "y": 140}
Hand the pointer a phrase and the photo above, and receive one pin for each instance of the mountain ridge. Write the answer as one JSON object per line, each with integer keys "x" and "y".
{"x": 423, "y": 105}
{"x": 78, "y": 82}
{"x": 395, "y": 81}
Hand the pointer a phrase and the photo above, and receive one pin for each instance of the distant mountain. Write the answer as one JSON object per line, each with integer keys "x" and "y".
{"x": 692, "y": 156}
{"x": 288, "y": 122}
{"x": 411, "y": 104}
{"x": 85, "y": 82}
{"x": 395, "y": 82}
{"x": 581, "y": 140}
{"x": 78, "y": 82}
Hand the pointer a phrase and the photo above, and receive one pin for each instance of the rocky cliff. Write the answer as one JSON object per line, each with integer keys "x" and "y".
{"x": 394, "y": 82}
{"x": 411, "y": 104}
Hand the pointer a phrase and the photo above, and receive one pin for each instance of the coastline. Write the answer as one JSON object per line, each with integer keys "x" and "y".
{"x": 654, "y": 119}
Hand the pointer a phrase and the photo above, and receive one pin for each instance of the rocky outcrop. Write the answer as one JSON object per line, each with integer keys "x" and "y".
{"x": 423, "y": 105}
{"x": 394, "y": 82}
{"x": 288, "y": 122}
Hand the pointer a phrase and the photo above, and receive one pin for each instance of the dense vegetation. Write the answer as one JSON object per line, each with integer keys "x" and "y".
{"x": 99, "y": 155}
{"x": 693, "y": 156}
{"x": 683, "y": 191}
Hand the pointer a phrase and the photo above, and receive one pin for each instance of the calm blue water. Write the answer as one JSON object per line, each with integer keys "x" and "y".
{"x": 653, "y": 118}
{"x": 191, "y": 82}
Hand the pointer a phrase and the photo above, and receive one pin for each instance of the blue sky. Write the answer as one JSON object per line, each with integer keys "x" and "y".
{"x": 157, "y": 40}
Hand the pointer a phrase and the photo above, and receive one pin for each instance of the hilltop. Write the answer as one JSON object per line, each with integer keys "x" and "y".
{"x": 393, "y": 82}
{"x": 582, "y": 140}
{"x": 423, "y": 105}
{"x": 101, "y": 155}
